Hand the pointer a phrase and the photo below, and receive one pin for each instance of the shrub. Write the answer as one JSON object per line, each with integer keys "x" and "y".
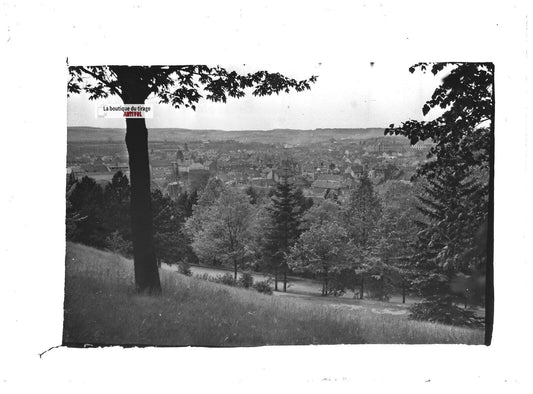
{"x": 184, "y": 268}
{"x": 204, "y": 276}
{"x": 116, "y": 243}
{"x": 246, "y": 280}
{"x": 263, "y": 286}
{"x": 336, "y": 287}
{"x": 226, "y": 279}
{"x": 441, "y": 310}
{"x": 379, "y": 288}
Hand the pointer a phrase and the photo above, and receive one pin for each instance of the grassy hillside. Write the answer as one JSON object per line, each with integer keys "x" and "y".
{"x": 101, "y": 308}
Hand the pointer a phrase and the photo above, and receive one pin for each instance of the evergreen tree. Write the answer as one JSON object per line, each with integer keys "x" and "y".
{"x": 168, "y": 245}
{"x": 459, "y": 186}
{"x": 117, "y": 209}
{"x": 445, "y": 251}
{"x": 361, "y": 215}
{"x": 73, "y": 217}
{"x": 304, "y": 203}
{"x": 397, "y": 237}
{"x": 87, "y": 201}
{"x": 284, "y": 212}
{"x": 253, "y": 194}
{"x": 185, "y": 211}
{"x": 185, "y": 203}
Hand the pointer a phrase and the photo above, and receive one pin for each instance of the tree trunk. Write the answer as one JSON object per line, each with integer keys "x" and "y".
{"x": 144, "y": 259}
{"x": 285, "y": 278}
{"x": 403, "y": 293}
{"x": 362, "y": 290}
{"x": 235, "y": 268}
{"x": 276, "y": 279}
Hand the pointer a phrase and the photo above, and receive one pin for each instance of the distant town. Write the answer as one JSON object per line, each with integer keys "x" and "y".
{"x": 325, "y": 167}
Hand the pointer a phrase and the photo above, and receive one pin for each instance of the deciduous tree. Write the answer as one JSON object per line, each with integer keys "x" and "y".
{"x": 324, "y": 250}
{"x": 324, "y": 211}
{"x": 227, "y": 234}
{"x": 180, "y": 86}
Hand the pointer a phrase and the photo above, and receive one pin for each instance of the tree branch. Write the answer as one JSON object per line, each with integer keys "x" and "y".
{"x": 107, "y": 83}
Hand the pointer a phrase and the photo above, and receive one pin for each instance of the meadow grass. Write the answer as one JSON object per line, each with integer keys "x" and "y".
{"x": 101, "y": 308}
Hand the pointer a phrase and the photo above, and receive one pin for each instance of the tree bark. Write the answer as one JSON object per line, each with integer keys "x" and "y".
{"x": 144, "y": 259}
{"x": 285, "y": 278}
{"x": 235, "y": 268}
{"x": 135, "y": 91}
{"x": 362, "y": 290}
{"x": 276, "y": 280}
{"x": 403, "y": 293}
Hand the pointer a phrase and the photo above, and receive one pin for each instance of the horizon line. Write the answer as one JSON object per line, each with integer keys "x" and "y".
{"x": 228, "y": 130}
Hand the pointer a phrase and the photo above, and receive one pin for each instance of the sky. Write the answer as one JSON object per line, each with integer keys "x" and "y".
{"x": 356, "y": 95}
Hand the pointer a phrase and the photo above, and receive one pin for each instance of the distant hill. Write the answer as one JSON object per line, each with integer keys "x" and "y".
{"x": 285, "y": 136}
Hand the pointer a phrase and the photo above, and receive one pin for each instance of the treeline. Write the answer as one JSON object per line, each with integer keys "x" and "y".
{"x": 373, "y": 244}
{"x": 100, "y": 217}
{"x": 365, "y": 245}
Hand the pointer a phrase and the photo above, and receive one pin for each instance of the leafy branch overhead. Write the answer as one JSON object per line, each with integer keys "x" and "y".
{"x": 462, "y": 133}
{"x": 180, "y": 86}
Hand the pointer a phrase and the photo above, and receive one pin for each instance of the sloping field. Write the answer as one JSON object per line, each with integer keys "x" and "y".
{"x": 101, "y": 308}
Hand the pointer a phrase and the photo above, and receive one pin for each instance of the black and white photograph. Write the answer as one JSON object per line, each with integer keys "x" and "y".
{"x": 267, "y": 196}
{"x": 359, "y": 227}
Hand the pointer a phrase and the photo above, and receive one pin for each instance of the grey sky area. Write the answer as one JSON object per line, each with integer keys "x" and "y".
{"x": 344, "y": 96}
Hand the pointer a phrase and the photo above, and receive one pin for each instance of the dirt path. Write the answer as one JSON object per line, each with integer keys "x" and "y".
{"x": 309, "y": 289}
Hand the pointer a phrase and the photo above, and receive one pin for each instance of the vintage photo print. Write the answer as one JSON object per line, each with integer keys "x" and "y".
{"x": 232, "y": 205}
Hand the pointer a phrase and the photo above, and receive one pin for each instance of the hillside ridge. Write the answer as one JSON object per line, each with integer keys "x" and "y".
{"x": 287, "y": 136}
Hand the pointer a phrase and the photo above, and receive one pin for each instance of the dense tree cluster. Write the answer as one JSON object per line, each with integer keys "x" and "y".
{"x": 369, "y": 244}
{"x": 242, "y": 229}
{"x": 342, "y": 244}
{"x": 100, "y": 217}
{"x": 454, "y": 244}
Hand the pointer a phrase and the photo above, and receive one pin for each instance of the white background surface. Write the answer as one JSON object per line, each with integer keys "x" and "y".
{"x": 37, "y": 37}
